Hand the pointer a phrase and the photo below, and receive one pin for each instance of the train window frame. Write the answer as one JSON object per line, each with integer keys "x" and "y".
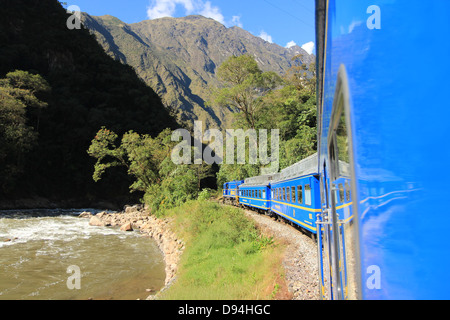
{"x": 288, "y": 194}
{"x": 341, "y": 111}
{"x": 293, "y": 194}
{"x": 308, "y": 195}
{"x": 341, "y": 193}
{"x": 347, "y": 191}
{"x": 300, "y": 192}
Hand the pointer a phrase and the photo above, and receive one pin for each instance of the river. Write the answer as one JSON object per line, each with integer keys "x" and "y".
{"x": 54, "y": 255}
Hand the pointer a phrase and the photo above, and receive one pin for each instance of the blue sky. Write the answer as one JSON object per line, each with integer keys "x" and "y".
{"x": 278, "y": 21}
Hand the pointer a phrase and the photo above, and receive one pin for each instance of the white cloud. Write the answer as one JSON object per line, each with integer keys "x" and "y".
{"x": 210, "y": 11}
{"x": 236, "y": 21}
{"x": 167, "y": 8}
{"x": 290, "y": 44}
{"x": 354, "y": 25}
{"x": 265, "y": 36}
{"x": 308, "y": 47}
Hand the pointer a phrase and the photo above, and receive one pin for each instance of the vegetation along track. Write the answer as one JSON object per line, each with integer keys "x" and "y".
{"x": 300, "y": 258}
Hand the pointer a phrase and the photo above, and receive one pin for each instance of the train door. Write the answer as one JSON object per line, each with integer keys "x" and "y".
{"x": 344, "y": 266}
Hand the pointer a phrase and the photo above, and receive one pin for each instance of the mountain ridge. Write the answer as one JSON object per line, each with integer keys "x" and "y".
{"x": 178, "y": 58}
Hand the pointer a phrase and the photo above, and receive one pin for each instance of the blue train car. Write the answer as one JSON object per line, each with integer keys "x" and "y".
{"x": 383, "y": 132}
{"x": 230, "y": 191}
{"x": 255, "y": 193}
{"x": 295, "y": 194}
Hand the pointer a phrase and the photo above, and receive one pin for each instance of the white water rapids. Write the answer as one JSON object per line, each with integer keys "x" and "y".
{"x": 39, "y": 248}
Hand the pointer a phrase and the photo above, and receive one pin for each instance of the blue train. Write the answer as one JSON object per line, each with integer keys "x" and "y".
{"x": 292, "y": 194}
{"x": 374, "y": 194}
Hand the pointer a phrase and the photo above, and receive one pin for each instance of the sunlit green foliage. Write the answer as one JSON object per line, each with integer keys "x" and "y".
{"x": 148, "y": 161}
{"x": 287, "y": 104}
{"x": 244, "y": 86}
{"x": 226, "y": 256}
{"x": 18, "y": 106}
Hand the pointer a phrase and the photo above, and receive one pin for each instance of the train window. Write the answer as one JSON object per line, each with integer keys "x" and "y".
{"x": 260, "y": 193}
{"x": 264, "y": 194}
{"x": 347, "y": 192}
{"x": 293, "y": 194}
{"x": 283, "y": 194}
{"x": 341, "y": 193}
{"x": 288, "y": 194}
{"x": 300, "y": 194}
{"x": 308, "y": 200}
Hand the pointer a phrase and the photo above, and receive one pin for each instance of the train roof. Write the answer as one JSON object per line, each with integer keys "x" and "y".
{"x": 258, "y": 181}
{"x": 304, "y": 167}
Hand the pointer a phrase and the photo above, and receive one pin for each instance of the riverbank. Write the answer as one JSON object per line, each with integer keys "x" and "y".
{"x": 137, "y": 218}
{"x": 228, "y": 253}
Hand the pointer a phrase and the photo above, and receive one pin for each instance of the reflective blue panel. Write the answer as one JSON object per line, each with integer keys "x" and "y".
{"x": 399, "y": 81}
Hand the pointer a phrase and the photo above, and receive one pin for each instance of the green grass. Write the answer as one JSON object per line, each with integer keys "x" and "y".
{"x": 226, "y": 257}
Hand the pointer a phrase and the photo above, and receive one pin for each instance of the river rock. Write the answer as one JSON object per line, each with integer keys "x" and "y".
{"x": 96, "y": 222}
{"x": 85, "y": 214}
{"x": 101, "y": 214}
{"x": 126, "y": 227}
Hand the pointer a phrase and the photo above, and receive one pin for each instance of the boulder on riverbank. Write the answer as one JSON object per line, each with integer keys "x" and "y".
{"x": 96, "y": 222}
{"x": 126, "y": 227}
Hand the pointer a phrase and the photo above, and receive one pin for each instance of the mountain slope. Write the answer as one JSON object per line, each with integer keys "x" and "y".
{"x": 89, "y": 90}
{"x": 178, "y": 58}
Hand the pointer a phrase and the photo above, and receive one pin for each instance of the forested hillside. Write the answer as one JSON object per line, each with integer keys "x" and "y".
{"x": 66, "y": 90}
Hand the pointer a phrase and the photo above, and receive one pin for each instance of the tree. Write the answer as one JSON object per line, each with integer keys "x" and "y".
{"x": 142, "y": 155}
{"x": 245, "y": 85}
{"x": 148, "y": 160}
{"x": 18, "y": 100}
